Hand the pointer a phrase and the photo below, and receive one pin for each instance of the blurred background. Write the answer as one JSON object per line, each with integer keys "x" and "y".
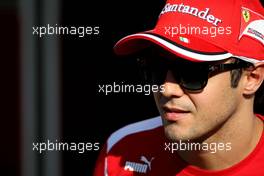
{"x": 49, "y": 87}
{"x": 50, "y": 84}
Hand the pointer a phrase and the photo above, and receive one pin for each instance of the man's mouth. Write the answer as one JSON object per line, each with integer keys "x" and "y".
{"x": 174, "y": 113}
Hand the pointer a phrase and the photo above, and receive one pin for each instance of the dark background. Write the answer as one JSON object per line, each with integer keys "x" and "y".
{"x": 87, "y": 116}
{"x": 88, "y": 62}
{"x": 9, "y": 91}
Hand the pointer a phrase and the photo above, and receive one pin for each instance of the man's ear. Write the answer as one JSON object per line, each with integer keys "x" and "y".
{"x": 254, "y": 78}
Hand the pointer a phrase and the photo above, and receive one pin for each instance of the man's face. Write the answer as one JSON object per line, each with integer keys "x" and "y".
{"x": 191, "y": 115}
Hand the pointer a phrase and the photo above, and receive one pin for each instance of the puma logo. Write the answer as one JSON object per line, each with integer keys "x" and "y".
{"x": 139, "y": 167}
{"x": 145, "y": 160}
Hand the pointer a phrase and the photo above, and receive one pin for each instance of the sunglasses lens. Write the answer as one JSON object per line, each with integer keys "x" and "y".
{"x": 158, "y": 71}
{"x": 193, "y": 83}
{"x": 194, "y": 76}
{"x": 190, "y": 76}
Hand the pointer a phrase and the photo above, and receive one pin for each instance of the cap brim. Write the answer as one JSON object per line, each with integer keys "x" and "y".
{"x": 134, "y": 43}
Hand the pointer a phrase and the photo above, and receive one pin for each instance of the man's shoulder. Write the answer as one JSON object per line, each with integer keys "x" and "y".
{"x": 134, "y": 133}
{"x": 136, "y": 149}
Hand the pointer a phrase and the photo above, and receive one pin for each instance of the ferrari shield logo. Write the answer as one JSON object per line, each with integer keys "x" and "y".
{"x": 246, "y": 15}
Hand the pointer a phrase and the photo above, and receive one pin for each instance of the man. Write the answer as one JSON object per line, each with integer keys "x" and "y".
{"x": 208, "y": 58}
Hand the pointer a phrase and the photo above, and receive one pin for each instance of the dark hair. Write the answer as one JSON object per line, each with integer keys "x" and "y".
{"x": 235, "y": 77}
{"x": 236, "y": 73}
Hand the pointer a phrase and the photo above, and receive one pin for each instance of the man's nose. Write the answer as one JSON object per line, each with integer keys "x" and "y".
{"x": 171, "y": 87}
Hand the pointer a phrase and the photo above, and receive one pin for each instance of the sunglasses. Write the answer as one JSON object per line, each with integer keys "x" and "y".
{"x": 192, "y": 76}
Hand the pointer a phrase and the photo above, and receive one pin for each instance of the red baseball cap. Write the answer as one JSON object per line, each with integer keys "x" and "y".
{"x": 208, "y": 30}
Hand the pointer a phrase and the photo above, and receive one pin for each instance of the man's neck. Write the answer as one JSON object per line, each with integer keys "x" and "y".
{"x": 239, "y": 136}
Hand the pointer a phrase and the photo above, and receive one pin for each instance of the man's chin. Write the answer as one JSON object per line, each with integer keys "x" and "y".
{"x": 176, "y": 133}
